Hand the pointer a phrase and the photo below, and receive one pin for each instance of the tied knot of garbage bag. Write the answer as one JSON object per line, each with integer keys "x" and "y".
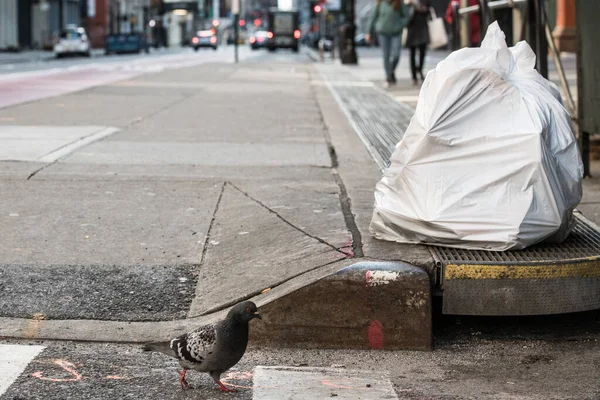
{"x": 489, "y": 160}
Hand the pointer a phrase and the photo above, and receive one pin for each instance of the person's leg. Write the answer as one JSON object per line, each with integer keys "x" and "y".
{"x": 395, "y": 48}
{"x": 413, "y": 64}
{"x": 422, "y": 51}
{"x": 385, "y": 41}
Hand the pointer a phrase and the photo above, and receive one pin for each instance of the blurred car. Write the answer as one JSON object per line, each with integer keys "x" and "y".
{"x": 72, "y": 40}
{"x": 121, "y": 43}
{"x": 207, "y": 38}
{"x": 259, "y": 40}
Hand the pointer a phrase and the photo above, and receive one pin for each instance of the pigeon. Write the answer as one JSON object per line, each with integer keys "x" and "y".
{"x": 212, "y": 348}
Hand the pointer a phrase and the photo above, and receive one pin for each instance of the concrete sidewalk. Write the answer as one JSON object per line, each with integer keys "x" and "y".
{"x": 156, "y": 202}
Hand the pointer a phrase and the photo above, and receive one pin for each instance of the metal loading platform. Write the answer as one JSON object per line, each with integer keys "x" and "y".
{"x": 543, "y": 279}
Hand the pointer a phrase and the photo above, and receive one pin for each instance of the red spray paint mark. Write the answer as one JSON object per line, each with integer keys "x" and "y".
{"x": 67, "y": 366}
{"x": 376, "y": 335}
{"x": 347, "y": 249}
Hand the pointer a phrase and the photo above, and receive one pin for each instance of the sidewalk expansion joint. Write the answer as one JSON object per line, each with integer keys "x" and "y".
{"x": 165, "y": 108}
{"x": 286, "y": 221}
{"x": 69, "y": 148}
{"x": 345, "y": 200}
{"x": 258, "y": 292}
{"x": 210, "y": 225}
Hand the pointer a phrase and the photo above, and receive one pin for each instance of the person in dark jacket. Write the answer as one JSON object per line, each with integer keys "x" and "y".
{"x": 388, "y": 20}
{"x": 417, "y": 36}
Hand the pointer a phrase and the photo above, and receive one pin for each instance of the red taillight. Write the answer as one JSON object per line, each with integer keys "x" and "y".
{"x": 270, "y": 35}
{"x": 297, "y": 34}
{"x": 213, "y": 40}
{"x": 195, "y": 40}
{"x": 252, "y": 40}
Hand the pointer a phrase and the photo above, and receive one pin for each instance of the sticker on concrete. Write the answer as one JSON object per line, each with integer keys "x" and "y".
{"x": 376, "y": 278}
{"x": 13, "y": 360}
{"x": 275, "y": 383}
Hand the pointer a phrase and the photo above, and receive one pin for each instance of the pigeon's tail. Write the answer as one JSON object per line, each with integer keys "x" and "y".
{"x": 161, "y": 347}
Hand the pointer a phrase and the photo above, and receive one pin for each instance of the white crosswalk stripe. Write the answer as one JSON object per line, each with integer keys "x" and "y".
{"x": 13, "y": 360}
{"x": 273, "y": 383}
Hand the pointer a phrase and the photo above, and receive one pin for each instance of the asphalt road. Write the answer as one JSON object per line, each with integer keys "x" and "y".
{"x": 474, "y": 358}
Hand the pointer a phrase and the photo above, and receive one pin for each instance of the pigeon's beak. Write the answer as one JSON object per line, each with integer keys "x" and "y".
{"x": 257, "y": 316}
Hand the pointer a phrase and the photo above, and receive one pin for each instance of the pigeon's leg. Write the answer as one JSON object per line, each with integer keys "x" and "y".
{"x": 182, "y": 380}
{"x": 217, "y": 378}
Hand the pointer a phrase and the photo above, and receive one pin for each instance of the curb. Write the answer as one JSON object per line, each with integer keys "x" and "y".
{"x": 368, "y": 305}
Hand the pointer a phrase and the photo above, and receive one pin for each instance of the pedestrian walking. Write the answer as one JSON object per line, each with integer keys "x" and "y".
{"x": 417, "y": 36}
{"x": 388, "y": 20}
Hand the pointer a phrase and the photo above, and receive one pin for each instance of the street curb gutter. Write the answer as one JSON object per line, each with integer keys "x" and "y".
{"x": 368, "y": 305}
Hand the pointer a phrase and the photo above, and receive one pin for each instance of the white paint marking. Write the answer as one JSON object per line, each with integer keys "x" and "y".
{"x": 69, "y": 148}
{"x": 275, "y": 383}
{"x": 13, "y": 360}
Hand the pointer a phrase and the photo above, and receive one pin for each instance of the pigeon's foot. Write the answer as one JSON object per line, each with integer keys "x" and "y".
{"x": 224, "y": 388}
{"x": 182, "y": 381}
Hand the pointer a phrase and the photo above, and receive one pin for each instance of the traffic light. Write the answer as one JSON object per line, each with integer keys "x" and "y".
{"x": 315, "y": 8}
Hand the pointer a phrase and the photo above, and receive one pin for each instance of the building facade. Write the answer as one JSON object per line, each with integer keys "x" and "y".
{"x": 33, "y": 24}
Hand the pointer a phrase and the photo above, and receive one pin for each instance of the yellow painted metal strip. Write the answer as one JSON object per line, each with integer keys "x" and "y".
{"x": 581, "y": 269}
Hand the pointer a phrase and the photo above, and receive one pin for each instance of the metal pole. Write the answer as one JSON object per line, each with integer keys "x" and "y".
{"x": 236, "y": 33}
{"x": 61, "y": 16}
{"x": 348, "y": 55}
{"x": 485, "y": 16}
{"x": 584, "y": 148}
{"x": 540, "y": 37}
{"x": 455, "y": 27}
{"x": 235, "y": 9}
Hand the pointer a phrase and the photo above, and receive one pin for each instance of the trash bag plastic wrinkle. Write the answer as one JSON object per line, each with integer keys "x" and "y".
{"x": 489, "y": 160}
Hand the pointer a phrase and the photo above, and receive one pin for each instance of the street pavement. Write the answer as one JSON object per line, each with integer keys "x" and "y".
{"x": 135, "y": 207}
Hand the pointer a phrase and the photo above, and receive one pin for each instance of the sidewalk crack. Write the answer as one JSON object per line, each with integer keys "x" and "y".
{"x": 212, "y": 222}
{"x": 288, "y": 222}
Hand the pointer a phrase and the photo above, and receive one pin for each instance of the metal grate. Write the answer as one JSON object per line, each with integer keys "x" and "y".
{"x": 379, "y": 120}
{"x": 583, "y": 242}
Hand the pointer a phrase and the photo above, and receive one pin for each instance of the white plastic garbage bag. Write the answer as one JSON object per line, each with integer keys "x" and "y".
{"x": 489, "y": 160}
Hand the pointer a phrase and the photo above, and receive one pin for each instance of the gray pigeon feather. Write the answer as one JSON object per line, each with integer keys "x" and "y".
{"x": 212, "y": 348}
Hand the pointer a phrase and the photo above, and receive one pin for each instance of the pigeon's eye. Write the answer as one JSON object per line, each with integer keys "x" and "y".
{"x": 248, "y": 310}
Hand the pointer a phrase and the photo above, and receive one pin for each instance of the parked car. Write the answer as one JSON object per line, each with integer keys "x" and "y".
{"x": 122, "y": 43}
{"x": 206, "y": 38}
{"x": 259, "y": 40}
{"x": 72, "y": 40}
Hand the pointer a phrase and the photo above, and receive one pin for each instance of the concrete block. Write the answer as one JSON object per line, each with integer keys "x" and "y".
{"x": 368, "y": 305}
